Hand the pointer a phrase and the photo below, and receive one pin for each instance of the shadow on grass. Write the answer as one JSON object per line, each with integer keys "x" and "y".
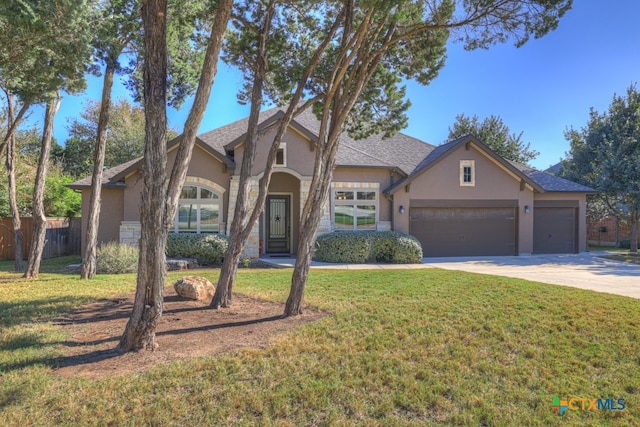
{"x": 13, "y": 313}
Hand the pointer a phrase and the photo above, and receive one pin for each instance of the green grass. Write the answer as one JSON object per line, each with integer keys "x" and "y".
{"x": 402, "y": 347}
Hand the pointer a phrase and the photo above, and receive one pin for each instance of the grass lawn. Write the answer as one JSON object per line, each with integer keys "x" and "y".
{"x": 624, "y": 257}
{"x": 402, "y": 347}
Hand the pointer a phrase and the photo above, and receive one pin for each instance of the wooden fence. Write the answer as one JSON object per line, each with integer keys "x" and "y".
{"x": 62, "y": 237}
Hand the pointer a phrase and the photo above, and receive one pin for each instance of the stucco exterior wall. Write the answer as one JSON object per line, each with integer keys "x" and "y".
{"x": 299, "y": 156}
{"x": 492, "y": 182}
{"x": 111, "y": 214}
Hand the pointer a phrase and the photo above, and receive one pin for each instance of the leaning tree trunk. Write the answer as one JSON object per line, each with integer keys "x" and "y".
{"x": 10, "y": 163}
{"x": 140, "y": 332}
{"x": 39, "y": 218}
{"x": 88, "y": 269}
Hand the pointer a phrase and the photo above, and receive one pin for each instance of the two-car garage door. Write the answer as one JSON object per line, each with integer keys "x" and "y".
{"x": 474, "y": 229}
{"x": 465, "y": 230}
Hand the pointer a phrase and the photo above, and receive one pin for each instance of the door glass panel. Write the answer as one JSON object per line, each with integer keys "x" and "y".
{"x": 343, "y": 217}
{"x": 209, "y": 222}
{"x": 187, "y": 218}
{"x": 278, "y": 220}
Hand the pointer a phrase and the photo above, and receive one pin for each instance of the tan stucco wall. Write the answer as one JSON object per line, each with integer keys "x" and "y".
{"x": 111, "y": 214}
{"x": 203, "y": 165}
{"x": 492, "y": 182}
{"x": 582, "y": 212}
{"x": 300, "y": 158}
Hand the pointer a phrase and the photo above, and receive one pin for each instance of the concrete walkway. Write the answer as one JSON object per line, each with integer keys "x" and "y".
{"x": 586, "y": 270}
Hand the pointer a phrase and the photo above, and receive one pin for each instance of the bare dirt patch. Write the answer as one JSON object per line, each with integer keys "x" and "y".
{"x": 186, "y": 329}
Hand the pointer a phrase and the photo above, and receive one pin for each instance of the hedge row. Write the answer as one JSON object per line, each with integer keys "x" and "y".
{"x": 209, "y": 248}
{"x": 359, "y": 247}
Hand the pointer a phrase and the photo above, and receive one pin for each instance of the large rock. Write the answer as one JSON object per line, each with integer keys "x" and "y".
{"x": 194, "y": 287}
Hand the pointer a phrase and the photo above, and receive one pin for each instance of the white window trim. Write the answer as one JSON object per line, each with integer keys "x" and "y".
{"x": 198, "y": 202}
{"x": 472, "y": 165}
{"x": 283, "y": 147}
{"x": 355, "y": 202}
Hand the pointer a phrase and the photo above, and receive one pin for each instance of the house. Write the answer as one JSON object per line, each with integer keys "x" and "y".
{"x": 458, "y": 199}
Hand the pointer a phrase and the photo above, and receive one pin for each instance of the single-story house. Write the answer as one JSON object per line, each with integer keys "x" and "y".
{"x": 458, "y": 199}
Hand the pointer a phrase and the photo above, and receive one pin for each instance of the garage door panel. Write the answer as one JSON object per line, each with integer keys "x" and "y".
{"x": 554, "y": 230}
{"x": 465, "y": 231}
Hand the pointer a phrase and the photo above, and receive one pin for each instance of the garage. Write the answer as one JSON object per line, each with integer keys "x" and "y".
{"x": 555, "y": 229}
{"x": 465, "y": 230}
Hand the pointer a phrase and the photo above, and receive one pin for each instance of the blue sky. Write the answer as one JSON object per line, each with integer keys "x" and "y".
{"x": 540, "y": 89}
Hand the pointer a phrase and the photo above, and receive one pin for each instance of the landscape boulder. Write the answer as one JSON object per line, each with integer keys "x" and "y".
{"x": 194, "y": 287}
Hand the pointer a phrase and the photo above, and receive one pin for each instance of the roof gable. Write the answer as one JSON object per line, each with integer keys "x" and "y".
{"x": 539, "y": 181}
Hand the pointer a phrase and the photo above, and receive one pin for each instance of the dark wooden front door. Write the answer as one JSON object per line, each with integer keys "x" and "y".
{"x": 278, "y": 228}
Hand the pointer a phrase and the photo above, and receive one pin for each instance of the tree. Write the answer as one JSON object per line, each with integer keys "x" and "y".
{"x": 269, "y": 34}
{"x": 494, "y": 133}
{"x": 159, "y": 199}
{"x": 117, "y": 31}
{"x": 382, "y": 43}
{"x": 45, "y": 49}
{"x": 605, "y": 155}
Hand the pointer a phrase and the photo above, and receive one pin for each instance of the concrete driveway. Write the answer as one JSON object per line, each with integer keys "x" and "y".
{"x": 586, "y": 270}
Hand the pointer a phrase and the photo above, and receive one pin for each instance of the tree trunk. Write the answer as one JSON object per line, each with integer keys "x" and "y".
{"x": 39, "y": 218}
{"x": 88, "y": 269}
{"x": 11, "y": 178}
{"x": 140, "y": 332}
{"x": 633, "y": 239}
{"x": 239, "y": 233}
{"x": 191, "y": 126}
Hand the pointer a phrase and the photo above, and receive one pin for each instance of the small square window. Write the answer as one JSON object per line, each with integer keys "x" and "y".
{"x": 467, "y": 173}
{"x": 281, "y": 155}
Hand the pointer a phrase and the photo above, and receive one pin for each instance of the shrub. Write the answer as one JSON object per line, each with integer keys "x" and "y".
{"x": 349, "y": 246}
{"x": 396, "y": 248}
{"x": 209, "y": 248}
{"x": 359, "y": 247}
{"x": 116, "y": 258}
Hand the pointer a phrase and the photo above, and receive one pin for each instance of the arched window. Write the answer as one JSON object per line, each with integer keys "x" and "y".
{"x": 199, "y": 210}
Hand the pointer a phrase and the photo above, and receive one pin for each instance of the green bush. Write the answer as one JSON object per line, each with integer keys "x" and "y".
{"x": 358, "y": 247}
{"x": 396, "y": 248}
{"x": 117, "y": 258}
{"x": 348, "y": 246}
{"x": 208, "y": 248}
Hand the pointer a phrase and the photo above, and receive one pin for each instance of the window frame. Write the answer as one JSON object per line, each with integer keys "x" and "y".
{"x": 354, "y": 202}
{"x": 199, "y": 204}
{"x": 283, "y": 147}
{"x": 471, "y": 164}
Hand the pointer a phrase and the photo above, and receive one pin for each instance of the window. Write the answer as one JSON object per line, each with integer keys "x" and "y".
{"x": 467, "y": 173}
{"x": 354, "y": 209}
{"x": 198, "y": 210}
{"x": 281, "y": 155}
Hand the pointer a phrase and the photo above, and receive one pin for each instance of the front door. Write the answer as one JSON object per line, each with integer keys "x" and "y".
{"x": 278, "y": 228}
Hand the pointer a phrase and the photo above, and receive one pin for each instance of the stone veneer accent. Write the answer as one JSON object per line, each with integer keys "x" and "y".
{"x": 130, "y": 232}
{"x": 252, "y": 247}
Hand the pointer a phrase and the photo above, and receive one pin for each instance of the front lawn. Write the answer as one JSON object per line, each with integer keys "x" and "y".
{"x": 401, "y": 347}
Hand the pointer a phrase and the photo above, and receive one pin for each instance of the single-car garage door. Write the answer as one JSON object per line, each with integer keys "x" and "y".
{"x": 465, "y": 231}
{"x": 554, "y": 230}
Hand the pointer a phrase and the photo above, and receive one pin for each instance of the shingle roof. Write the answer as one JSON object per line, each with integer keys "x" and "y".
{"x": 107, "y": 176}
{"x": 550, "y": 182}
{"x": 407, "y": 154}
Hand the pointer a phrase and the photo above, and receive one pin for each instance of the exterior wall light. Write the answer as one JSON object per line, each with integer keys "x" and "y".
{"x": 527, "y": 209}
{"x": 401, "y": 209}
